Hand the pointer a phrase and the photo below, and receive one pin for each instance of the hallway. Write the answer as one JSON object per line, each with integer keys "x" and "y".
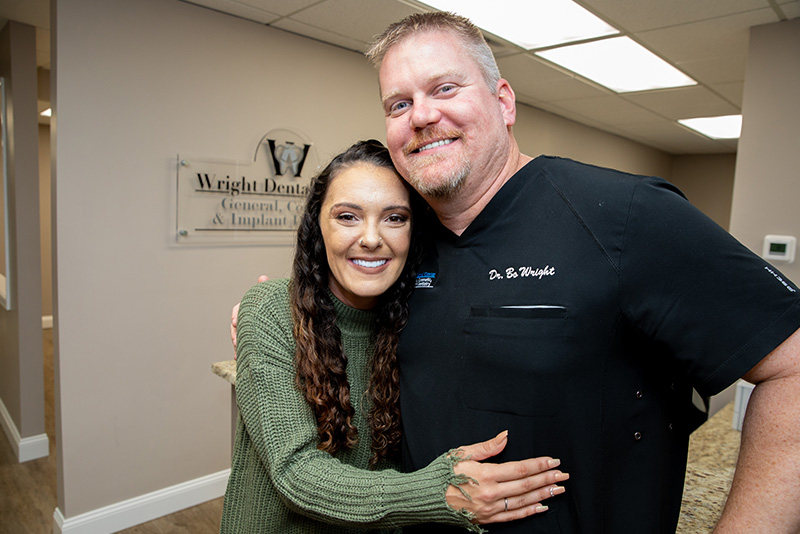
{"x": 28, "y": 490}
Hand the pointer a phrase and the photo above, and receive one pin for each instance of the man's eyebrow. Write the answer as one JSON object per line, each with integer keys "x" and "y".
{"x": 390, "y": 96}
{"x": 431, "y": 80}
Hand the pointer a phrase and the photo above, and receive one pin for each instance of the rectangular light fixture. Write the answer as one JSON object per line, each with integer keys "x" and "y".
{"x": 619, "y": 63}
{"x": 724, "y": 127}
{"x": 47, "y": 112}
{"x": 530, "y": 24}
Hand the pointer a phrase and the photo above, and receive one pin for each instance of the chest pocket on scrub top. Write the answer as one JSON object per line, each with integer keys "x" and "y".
{"x": 516, "y": 358}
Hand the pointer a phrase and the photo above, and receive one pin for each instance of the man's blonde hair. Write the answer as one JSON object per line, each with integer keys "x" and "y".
{"x": 469, "y": 34}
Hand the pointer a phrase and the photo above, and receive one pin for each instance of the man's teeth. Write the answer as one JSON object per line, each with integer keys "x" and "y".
{"x": 369, "y": 264}
{"x": 435, "y": 144}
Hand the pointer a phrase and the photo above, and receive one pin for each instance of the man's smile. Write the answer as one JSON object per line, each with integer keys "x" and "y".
{"x": 429, "y": 146}
{"x": 431, "y": 138}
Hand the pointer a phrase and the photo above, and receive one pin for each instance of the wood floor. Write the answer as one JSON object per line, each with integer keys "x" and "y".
{"x": 28, "y": 490}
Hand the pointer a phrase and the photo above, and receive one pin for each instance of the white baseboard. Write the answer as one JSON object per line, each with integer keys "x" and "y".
{"x": 31, "y": 448}
{"x": 47, "y": 321}
{"x": 138, "y": 510}
{"x": 743, "y": 391}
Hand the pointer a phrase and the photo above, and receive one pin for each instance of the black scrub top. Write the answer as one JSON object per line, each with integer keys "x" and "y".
{"x": 578, "y": 311}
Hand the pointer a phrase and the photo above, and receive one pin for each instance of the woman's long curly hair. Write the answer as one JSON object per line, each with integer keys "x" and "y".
{"x": 320, "y": 361}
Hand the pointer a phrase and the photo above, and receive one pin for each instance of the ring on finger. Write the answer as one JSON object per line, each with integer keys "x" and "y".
{"x": 506, "y": 502}
{"x": 551, "y": 491}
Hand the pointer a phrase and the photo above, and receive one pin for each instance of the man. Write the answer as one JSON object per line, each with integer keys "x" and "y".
{"x": 576, "y": 307}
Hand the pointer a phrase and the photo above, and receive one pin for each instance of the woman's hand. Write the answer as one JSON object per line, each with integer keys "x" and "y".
{"x": 503, "y": 492}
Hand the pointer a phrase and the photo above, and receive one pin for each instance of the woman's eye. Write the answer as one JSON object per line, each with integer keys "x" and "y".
{"x": 346, "y": 217}
{"x": 399, "y": 219}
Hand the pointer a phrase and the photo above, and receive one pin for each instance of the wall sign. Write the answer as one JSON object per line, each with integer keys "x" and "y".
{"x": 228, "y": 202}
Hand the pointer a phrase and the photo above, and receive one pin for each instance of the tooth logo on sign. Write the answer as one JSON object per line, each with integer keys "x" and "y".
{"x": 287, "y": 156}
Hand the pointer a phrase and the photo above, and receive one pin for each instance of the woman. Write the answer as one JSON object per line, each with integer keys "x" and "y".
{"x": 317, "y": 384}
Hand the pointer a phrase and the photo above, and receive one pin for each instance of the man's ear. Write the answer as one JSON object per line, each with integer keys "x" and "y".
{"x": 507, "y": 100}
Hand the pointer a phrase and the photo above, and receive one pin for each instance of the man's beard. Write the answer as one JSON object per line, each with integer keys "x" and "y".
{"x": 442, "y": 187}
{"x": 439, "y": 187}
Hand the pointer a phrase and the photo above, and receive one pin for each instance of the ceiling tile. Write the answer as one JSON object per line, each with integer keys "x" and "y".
{"x": 248, "y": 12}
{"x": 791, "y": 10}
{"x": 706, "y": 39}
{"x": 528, "y": 69}
{"x": 557, "y": 90}
{"x": 681, "y": 140}
{"x": 641, "y": 15}
{"x": 732, "y": 91}
{"x": 565, "y": 113}
{"x": 360, "y": 20}
{"x": 708, "y": 70}
{"x": 33, "y": 12}
{"x": 535, "y": 79}
{"x": 281, "y": 7}
{"x": 683, "y": 102}
{"x": 607, "y": 110}
{"x": 43, "y": 48}
{"x": 320, "y": 34}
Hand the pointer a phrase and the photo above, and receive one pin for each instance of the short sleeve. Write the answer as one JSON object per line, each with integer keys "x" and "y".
{"x": 688, "y": 284}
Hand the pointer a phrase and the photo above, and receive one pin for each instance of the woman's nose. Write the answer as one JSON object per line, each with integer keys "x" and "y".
{"x": 371, "y": 238}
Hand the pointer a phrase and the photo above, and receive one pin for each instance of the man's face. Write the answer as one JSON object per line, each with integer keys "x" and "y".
{"x": 443, "y": 124}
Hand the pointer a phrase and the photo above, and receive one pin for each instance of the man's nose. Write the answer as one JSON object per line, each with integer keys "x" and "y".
{"x": 424, "y": 114}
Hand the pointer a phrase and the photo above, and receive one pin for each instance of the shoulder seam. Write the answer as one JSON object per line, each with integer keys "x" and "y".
{"x": 583, "y": 223}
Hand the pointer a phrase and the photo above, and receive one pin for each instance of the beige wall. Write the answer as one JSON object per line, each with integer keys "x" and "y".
{"x": 46, "y": 220}
{"x": 138, "y": 319}
{"x": 767, "y": 188}
{"x": 539, "y": 132}
{"x": 21, "y": 374}
{"x": 707, "y": 181}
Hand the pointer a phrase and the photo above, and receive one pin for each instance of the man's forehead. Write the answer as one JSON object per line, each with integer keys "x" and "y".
{"x": 417, "y": 38}
{"x": 434, "y": 66}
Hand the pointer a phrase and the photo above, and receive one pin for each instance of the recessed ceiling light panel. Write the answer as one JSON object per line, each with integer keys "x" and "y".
{"x": 724, "y": 127}
{"x": 619, "y": 63}
{"x": 530, "y": 24}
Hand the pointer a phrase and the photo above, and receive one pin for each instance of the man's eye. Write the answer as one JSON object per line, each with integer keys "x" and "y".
{"x": 398, "y": 107}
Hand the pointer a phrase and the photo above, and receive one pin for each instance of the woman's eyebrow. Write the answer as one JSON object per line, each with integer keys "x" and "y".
{"x": 346, "y": 205}
{"x": 397, "y": 207}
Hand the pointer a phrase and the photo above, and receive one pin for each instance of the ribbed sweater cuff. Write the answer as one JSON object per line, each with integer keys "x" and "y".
{"x": 423, "y": 500}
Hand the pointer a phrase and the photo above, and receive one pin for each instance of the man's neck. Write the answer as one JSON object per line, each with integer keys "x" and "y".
{"x": 457, "y": 213}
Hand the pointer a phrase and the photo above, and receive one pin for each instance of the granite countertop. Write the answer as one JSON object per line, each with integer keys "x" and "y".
{"x": 226, "y": 370}
{"x": 713, "y": 449}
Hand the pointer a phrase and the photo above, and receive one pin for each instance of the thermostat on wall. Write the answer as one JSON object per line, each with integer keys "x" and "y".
{"x": 779, "y": 248}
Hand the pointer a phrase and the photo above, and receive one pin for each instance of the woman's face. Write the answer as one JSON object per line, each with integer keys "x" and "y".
{"x": 366, "y": 227}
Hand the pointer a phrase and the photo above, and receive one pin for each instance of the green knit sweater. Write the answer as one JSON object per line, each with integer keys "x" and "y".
{"x": 280, "y": 482}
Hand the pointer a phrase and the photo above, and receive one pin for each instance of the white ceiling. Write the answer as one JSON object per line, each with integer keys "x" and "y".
{"x": 707, "y": 39}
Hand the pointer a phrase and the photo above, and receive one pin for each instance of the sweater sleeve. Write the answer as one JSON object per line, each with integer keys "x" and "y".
{"x": 282, "y": 429}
